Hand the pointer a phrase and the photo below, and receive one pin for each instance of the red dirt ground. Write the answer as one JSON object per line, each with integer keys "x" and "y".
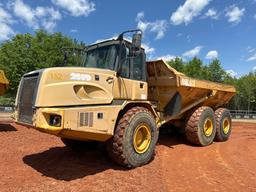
{"x": 33, "y": 161}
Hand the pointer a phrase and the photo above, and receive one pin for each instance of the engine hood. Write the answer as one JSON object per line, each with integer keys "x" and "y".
{"x": 73, "y": 86}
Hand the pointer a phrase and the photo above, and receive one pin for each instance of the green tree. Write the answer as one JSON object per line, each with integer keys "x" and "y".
{"x": 26, "y": 52}
{"x": 177, "y": 64}
{"x": 245, "y": 98}
{"x": 196, "y": 69}
{"x": 215, "y": 71}
{"x": 247, "y": 91}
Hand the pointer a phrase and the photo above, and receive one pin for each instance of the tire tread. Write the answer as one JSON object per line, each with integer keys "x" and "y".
{"x": 114, "y": 146}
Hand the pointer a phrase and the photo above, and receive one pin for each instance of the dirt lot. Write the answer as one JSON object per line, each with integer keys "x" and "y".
{"x": 33, "y": 161}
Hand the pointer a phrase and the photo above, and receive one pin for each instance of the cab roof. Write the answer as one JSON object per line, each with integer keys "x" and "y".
{"x": 109, "y": 41}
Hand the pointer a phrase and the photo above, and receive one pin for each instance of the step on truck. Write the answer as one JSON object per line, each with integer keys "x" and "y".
{"x": 119, "y": 98}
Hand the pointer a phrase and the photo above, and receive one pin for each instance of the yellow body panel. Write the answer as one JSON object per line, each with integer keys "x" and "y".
{"x": 71, "y": 125}
{"x": 74, "y": 86}
{"x": 130, "y": 89}
{"x": 3, "y": 83}
{"x": 78, "y": 86}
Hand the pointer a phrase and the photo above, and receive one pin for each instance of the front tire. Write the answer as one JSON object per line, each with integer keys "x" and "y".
{"x": 201, "y": 127}
{"x": 135, "y": 138}
{"x": 223, "y": 123}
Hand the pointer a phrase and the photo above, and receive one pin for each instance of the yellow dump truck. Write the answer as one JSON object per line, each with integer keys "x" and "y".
{"x": 118, "y": 98}
{"x": 3, "y": 83}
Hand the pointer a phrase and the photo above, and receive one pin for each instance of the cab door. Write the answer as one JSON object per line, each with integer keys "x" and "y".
{"x": 131, "y": 82}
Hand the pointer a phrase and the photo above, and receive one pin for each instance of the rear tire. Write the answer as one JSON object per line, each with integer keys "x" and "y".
{"x": 78, "y": 145}
{"x": 201, "y": 127}
{"x": 135, "y": 138}
{"x": 223, "y": 124}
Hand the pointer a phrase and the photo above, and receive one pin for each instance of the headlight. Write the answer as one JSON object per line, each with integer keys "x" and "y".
{"x": 55, "y": 120}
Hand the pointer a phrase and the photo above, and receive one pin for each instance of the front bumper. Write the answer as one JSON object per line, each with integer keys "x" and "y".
{"x": 81, "y": 123}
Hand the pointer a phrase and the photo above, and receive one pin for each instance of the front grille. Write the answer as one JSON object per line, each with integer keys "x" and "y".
{"x": 26, "y": 98}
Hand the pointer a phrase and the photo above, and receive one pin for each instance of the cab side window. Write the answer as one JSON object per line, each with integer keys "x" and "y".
{"x": 137, "y": 65}
{"x": 125, "y": 62}
{"x": 132, "y": 67}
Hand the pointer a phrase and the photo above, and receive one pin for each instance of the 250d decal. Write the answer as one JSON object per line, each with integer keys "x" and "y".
{"x": 80, "y": 77}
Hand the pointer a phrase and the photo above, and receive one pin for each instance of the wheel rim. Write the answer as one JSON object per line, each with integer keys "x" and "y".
{"x": 208, "y": 127}
{"x": 142, "y": 138}
{"x": 226, "y": 125}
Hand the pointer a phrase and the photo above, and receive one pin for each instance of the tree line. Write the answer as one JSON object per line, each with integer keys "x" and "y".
{"x": 27, "y": 52}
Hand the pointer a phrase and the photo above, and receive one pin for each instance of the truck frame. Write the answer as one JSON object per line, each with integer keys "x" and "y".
{"x": 118, "y": 98}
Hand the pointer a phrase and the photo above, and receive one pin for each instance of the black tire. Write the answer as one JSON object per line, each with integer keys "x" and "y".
{"x": 201, "y": 118}
{"x": 121, "y": 147}
{"x": 223, "y": 124}
{"x": 77, "y": 145}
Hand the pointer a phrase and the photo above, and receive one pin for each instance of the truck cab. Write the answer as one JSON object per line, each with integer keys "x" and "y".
{"x": 84, "y": 102}
{"x": 128, "y": 64}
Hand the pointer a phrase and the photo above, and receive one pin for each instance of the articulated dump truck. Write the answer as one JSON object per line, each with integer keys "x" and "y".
{"x": 118, "y": 98}
{"x": 3, "y": 83}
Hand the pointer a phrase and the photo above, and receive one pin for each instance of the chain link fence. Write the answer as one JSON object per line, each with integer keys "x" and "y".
{"x": 6, "y": 109}
{"x": 243, "y": 114}
{"x": 6, "y": 113}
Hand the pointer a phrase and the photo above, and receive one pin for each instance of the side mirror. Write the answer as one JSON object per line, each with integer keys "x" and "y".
{"x": 136, "y": 40}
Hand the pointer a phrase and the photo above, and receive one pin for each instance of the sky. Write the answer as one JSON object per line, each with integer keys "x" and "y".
{"x": 207, "y": 29}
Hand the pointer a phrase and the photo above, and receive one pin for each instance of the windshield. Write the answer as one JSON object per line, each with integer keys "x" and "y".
{"x": 101, "y": 57}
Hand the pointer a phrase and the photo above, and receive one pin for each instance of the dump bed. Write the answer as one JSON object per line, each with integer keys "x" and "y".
{"x": 3, "y": 83}
{"x": 174, "y": 93}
